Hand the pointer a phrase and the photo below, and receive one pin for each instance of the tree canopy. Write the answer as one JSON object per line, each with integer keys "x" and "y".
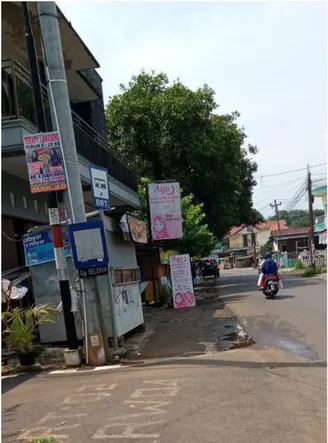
{"x": 168, "y": 131}
{"x": 297, "y": 217}
{"x": 197, "y": 239}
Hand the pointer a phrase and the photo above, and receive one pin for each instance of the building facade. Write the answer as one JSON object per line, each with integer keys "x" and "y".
{"x": 20, "y": 209}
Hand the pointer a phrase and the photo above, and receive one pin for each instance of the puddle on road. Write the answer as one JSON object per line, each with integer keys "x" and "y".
{"x": 232, "y": 336}
{"x": 267, "y": 334}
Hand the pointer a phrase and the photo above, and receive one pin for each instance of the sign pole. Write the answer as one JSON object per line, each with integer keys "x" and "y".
{"x": 151, "y": 244}
{"x": 64, "y": 286}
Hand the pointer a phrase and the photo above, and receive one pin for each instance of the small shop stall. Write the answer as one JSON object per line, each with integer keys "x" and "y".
{"x": 125, "y": 277}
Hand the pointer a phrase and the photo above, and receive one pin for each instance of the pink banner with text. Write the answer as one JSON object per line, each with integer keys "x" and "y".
{"x": 181, "y": 278}
{"x": 165, "y": 210}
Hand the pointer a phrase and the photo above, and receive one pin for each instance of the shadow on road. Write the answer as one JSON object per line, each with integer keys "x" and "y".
{"x": 237, "y": 364}
{"x": 12, "y": 382}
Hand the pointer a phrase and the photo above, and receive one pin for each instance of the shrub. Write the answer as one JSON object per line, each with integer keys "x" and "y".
{"x": 299, "y": 264}
{"x": 311, "y": 272}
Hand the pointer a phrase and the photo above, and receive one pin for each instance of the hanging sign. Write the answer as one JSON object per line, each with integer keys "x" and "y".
{"x": 89, "y": 248}
{"x": 182, "y": 285}
{"x": 165, "y": 210}
{"x": 45, "y": 162}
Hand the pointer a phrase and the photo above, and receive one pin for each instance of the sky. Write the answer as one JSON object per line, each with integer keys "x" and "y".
{"x": 268, "y": 60}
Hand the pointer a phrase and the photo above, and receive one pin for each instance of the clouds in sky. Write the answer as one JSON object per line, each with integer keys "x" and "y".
{"x": 267, "y": 60}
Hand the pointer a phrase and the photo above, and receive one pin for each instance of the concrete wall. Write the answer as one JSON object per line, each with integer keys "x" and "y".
{"x": 235, "y": 241}
{"x": 14, "y": 205}
{"x": 263, "y": 236}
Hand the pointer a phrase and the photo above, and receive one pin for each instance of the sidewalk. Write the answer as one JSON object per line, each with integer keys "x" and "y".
{"x": 205, "y": 328}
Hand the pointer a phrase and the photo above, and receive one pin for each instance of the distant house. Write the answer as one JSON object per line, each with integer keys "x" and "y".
{"x": 245, "y": 237}
{"x": 291, "y": 240}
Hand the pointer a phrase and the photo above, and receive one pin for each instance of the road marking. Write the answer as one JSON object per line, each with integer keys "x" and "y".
{"x": 128, "y": 431}
{"x": 55, "y": 416}
{"x": 156, "y": 404}
{"x": 158, "y": 392}
{"x": 85, "y": 398}
{"x": 168, "y": 383}
{"x": 98, "y": 387}
{"x": 40, "y": 432}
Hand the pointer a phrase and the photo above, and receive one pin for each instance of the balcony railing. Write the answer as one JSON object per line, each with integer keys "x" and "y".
{"x": 18, "y": 103}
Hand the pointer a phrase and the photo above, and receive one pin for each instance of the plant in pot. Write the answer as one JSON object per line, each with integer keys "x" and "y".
{"x": 20, "y": 329}
{"x": 166, "y": 296}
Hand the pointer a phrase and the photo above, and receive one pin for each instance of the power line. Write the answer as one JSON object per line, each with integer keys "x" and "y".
{"x": 288, "y": 172}
{"x": 286, "y": 186}
{"x": 11, "y": 239}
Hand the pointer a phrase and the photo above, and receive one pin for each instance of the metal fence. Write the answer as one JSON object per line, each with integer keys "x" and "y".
{"x": 18, "y": 103}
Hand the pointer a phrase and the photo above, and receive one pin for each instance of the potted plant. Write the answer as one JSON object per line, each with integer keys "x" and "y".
{"x": 20, "y": 327}
{"x": 166, "y": 296}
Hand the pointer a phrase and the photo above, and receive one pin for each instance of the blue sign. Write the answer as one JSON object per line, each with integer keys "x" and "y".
{"x": 39, "y": 247}
{"x": 99, "y": 187}
{"x": 88, "y": 242}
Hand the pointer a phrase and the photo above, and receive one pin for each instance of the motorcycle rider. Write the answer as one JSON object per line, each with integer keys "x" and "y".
{"x": 269, "y": 267}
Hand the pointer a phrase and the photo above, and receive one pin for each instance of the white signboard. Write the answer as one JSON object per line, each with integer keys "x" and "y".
{"x": 320, "y": 258}
{"x": 100, "y": 187}
{"x": 165, "y": 210}
{"x": 183, "y": 291}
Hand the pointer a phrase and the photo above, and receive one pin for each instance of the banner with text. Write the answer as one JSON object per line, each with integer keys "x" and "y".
{"x": 165, "y": 210}
{"x": 39, "y": 248}
{"x": 45, "y": 162}
{"x": 182, "y": 285}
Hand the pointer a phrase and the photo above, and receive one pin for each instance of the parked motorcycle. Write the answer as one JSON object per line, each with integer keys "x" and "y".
{"x": 271, "y": 286}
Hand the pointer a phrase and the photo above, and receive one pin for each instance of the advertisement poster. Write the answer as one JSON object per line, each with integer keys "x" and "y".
{"x": 320, "y": 258}
{"x": 39, "y": 248}
{"x": 44, "y": 162}
{"x": 165, "y": 210}
{"x": 183, "y": 291}
{"x": 165, "y": 255}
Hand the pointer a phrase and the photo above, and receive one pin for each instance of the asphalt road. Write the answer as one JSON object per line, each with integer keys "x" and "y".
{"x": 295, "y": 321}
{"x": 270, "y": 392}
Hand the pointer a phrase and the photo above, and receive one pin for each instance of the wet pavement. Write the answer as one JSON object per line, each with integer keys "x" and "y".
{"x": 295, "y": 321}
{"x": 206, "y": 328}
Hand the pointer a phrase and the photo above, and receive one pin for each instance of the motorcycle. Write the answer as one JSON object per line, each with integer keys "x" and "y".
{"x": 271, "y": 286}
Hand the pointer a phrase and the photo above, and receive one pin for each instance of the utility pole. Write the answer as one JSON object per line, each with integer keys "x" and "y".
{"x": 55, "y": 224}
{"x": 50, "y": 34}
{"x": 311, "y": 218}
{"x": 275, "y": 205}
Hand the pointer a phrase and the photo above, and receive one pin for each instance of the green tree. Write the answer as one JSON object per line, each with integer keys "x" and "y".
{"x": 297, "y": 217}
{"x": 197, "y": 239}
{"x": 168, "y": 131}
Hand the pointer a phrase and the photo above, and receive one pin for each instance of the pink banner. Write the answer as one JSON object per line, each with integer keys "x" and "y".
{"x": 165, "y": 210}
{"x": 183, "y": 291}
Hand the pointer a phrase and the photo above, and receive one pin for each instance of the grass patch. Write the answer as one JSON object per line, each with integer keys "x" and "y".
{"x": 312, "y": 272}
{"x": 44, "y": 440}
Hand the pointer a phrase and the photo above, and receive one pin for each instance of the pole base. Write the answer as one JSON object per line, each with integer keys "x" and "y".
{"x": 73, "y": 357}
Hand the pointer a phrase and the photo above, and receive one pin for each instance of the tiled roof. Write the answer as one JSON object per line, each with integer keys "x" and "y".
{"x": 270, "y": 225}
{"x": 292, "y": 231}
{"x": 235, "y": 229}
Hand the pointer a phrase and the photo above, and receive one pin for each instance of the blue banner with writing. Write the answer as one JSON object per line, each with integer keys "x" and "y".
{"x": 39, "y": 247}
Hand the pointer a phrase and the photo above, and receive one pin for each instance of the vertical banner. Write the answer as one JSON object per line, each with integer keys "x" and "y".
{"x": 165, "y": 210}
{"x": 45, "y": 162}
{"x": 182, "y": 286}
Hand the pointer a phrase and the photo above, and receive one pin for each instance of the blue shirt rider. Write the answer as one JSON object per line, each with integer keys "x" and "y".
{"x": 269, "y": 266}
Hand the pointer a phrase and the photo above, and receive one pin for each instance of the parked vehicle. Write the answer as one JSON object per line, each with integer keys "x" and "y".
{"x": 271, "y": 286}
{"x": 210, "y": 268}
